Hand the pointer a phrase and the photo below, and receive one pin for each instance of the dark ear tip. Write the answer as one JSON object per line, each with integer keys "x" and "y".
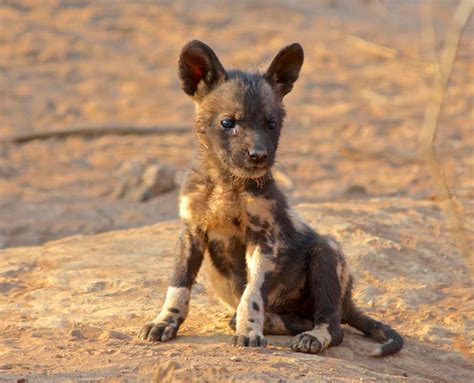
{"x": 194, "y": 45}
{"x": 296, "y": 48}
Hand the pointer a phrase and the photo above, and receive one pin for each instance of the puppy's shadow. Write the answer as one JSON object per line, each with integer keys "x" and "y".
{"x": 224, "y": 338}
{"x": 345, "y": 351}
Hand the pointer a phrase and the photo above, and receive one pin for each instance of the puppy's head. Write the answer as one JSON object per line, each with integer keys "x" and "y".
{"x": 238, "y": 115}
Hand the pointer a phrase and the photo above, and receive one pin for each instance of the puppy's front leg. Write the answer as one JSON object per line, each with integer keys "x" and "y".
{"x": 175, "y": 309}
{"x": 250, "y": 312}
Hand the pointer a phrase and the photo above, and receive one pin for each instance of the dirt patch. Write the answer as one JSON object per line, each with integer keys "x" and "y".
{"x": 354, "y": 115}
{"x": 73, "y": 307}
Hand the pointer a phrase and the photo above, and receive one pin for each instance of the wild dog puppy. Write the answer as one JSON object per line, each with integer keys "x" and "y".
{"x": 279, "y": 275}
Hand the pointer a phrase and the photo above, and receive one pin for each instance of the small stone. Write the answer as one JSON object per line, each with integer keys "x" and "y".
{"x": 143, "y": 179}
{"x": 235, "y": 359}
{"x": 77, "y": 334}
{"x": 96, "y": 287}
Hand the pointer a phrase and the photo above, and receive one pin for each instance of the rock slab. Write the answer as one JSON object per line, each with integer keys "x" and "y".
{"x": 71, "y": 309}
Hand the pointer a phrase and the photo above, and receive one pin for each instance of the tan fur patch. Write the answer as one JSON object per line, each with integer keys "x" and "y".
{"x": 177, "y": 298}
{"x": 259, "y": 207}
{"x": 274, "y": 325}
{"x": 221, "y": 236}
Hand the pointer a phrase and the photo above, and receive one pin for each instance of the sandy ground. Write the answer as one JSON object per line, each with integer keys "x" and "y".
{"x": 72, "y": 308}
{"x": 350, "y": 145}
{"x": 353, "y": 118}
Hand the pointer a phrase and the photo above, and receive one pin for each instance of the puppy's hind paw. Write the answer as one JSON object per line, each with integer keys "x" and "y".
{"x": 306, "y": 343}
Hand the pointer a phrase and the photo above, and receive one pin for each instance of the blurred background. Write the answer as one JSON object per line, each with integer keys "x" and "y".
{"x": 95, "y": 132}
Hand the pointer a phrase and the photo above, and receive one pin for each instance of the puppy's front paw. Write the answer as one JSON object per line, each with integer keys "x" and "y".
{"x": 251, "y": 340}
{"x": 306, "y": 343}
{"x": 159, "y": 332}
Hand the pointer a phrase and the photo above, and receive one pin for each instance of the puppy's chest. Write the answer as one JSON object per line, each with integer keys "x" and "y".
{"x": 222, "y": 212}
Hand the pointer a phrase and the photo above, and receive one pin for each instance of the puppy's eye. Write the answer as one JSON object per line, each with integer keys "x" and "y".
{"x": 272, "y": 124}
{"x": 228, "y": 123}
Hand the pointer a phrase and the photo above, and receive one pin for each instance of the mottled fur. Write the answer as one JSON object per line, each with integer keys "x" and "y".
{"x": 277, "y": 273}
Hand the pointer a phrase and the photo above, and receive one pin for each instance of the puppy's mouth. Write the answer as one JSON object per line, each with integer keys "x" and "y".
{"x": 251, "y": 171}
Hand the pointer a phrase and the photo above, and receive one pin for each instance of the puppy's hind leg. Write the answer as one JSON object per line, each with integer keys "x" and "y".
{"x": 286, "y": 324}
{"x": 326, "y": 291}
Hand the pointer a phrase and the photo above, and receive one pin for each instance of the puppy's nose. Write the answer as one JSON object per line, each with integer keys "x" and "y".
{"x": 258, "y": 154}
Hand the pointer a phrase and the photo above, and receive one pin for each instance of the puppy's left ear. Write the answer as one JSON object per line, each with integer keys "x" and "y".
{"x": 199, "y": 69}
{"x": 285, "y": 68}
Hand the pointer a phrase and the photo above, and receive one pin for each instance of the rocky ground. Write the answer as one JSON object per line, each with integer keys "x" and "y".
{"x": 349, "y": 157}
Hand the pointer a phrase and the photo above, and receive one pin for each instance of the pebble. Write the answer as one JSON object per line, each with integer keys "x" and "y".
{"x": 143, "y": 179}
{"x": 235, "y": 359}
{"x": 96, "y": 287}
{"x": 77, "y": 334}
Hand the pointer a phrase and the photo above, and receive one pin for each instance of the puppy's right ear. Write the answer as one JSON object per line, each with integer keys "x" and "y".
{"x": 285, "y": 68}
{"x": 199, "y": 69}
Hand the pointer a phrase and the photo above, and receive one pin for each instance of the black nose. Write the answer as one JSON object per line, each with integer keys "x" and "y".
{"x": 257, "y": 154}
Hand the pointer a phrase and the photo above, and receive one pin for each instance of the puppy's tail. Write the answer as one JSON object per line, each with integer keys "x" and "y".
{"x": 392, "y": 341}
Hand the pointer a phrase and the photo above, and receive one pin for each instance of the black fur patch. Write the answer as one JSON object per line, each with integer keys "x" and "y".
{"x": 220, "y": 262}
{"x": 189, "y": 260}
